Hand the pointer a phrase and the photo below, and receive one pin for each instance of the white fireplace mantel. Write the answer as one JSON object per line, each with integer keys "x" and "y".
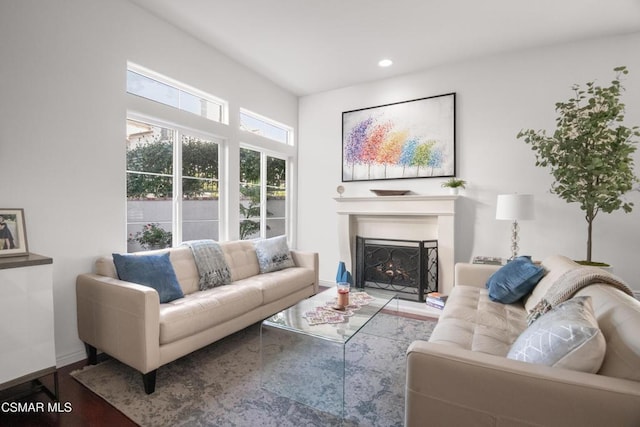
{"x": 425, "y": 217}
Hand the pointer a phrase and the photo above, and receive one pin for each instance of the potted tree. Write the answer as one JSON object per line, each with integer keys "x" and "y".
{"x": 590, "y": 152}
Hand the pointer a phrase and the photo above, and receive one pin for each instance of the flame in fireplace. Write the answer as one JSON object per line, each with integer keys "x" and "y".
{"x": 392, "y": 272}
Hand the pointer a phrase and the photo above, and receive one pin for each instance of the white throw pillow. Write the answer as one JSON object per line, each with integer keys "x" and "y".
{"x": 273, "y": 254}
{"x": 566, "y": 337}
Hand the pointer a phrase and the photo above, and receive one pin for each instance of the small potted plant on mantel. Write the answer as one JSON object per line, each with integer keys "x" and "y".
{"x": 590, "y": 152}
{"x": 454, "y": 185}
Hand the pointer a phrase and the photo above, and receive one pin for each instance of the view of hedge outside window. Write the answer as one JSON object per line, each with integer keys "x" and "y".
{"x": 152, "y": 182}
{"x": 174, "y": 163}
{"x": 149, "y": 186}
{"x": 263, "y": 192}
{"x": 200, "y": 194}
{"x": 276, "y": 196}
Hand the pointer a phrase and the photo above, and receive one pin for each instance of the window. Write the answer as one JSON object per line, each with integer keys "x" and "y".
{"x": 263, "y": 195}
{"x": 164, "y": 90}
{"x": 260, "y": 125}
{"x": 200, "y": 193}
{"x": 276, "y": 189}
{"x": 164, "y": 201}
{"x": 149, "y": 186}
{"x": 178, "y": 143}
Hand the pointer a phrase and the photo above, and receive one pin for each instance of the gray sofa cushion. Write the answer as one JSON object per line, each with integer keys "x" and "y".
{"x": 202, "y": 310}
{"x": 278, "y": 284}
{"x": 241, "y": 259}
{"x": 181, "y": 259}
{"x": 618, "y": 317}
{"x": 471, "y": 321}
{"x": 555, "y": 266}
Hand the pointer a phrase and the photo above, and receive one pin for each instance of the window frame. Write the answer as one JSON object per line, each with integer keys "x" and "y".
{"x": 230, "y": 138}
{"x": 288, "y": 218}
{"x": 177, "y": 200}
{"x": 181, "y": 87}
{"x": 288, "y": 129}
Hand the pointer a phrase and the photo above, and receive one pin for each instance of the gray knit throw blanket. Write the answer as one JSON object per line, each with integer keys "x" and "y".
{"x": 570, "y": 283}
{"x": 211, "y": 264}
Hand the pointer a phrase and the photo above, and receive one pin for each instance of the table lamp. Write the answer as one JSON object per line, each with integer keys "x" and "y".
{"x": 514, "y": 207}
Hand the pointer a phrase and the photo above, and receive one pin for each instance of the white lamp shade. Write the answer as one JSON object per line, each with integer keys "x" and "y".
{"x": 515, "y": 206}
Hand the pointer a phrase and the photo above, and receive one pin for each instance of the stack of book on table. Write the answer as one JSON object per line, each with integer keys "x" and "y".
{"x": 490, "y": 260}
{"x": 436, "y": 300}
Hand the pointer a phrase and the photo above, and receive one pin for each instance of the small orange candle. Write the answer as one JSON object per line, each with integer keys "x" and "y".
{"x": 343, "y": 294}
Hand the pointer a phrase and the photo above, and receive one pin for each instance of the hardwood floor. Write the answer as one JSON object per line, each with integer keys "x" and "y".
{"x": 84, "y": 407}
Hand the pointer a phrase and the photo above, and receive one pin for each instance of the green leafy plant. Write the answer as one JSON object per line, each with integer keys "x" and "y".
{"x": 155, "y": 159}
{"x": 152, "y": 236}
{"x": 590, "y": 152}
{"x": 251, "y": 209}
{"x": 454, "y": 183}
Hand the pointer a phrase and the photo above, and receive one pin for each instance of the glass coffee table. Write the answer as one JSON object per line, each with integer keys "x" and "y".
{"x": 307, "y": 362}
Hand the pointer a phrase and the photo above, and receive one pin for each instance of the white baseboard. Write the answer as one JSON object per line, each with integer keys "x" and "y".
{"x": 326, "y": 283}
{"x": 68, "y": 359}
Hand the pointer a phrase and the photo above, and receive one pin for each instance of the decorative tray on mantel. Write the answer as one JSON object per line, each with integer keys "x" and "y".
{"x": 390, "y": 192}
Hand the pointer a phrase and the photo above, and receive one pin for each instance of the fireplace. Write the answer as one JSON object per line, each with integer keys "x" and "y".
{"x": 410, "y": 217}
{"x": 407, "y": 267}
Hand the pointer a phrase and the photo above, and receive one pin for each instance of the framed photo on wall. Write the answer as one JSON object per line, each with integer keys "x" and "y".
{"x": 13, "y": 233}
{"x": 409, "y": 139}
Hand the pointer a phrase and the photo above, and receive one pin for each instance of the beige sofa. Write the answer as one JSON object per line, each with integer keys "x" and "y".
{"x": 462, "y": 377}
{"x": 127, "y": 321}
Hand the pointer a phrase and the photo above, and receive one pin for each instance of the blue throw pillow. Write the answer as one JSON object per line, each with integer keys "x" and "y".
{"x": 514, "y": 280}
{"x": 154, "y": 271}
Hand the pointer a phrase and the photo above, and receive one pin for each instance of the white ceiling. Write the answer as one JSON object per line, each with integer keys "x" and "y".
{"x": 309, "y": 46}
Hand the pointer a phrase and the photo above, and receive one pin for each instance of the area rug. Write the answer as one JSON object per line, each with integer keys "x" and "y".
{"x": 220, "y": 385}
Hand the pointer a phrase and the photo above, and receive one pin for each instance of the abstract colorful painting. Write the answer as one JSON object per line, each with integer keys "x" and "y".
{"x": 410, "y": 139}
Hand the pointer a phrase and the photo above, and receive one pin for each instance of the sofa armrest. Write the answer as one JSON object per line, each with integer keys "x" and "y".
{"x": 120, "y": 318}
{"x": 308, "y": 260}
{"x": 473, "y": 274}
{"x": 451, "y": 386}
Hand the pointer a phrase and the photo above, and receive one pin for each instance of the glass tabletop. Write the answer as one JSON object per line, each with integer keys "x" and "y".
{"x": 293, "y": 319}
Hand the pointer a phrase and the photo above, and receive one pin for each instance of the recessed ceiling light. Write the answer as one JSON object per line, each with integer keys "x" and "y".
{"x": 385, "y": 63}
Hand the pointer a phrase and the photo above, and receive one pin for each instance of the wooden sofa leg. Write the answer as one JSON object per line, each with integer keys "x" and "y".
{"x": 92, "y": 354}
{"x": 149, "y": 381}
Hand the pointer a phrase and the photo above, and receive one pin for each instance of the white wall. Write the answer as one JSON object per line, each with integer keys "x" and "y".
{"x": 62, "y": 124}
{"x": 63, "y": 107}
{"x": 496, "y": 97}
